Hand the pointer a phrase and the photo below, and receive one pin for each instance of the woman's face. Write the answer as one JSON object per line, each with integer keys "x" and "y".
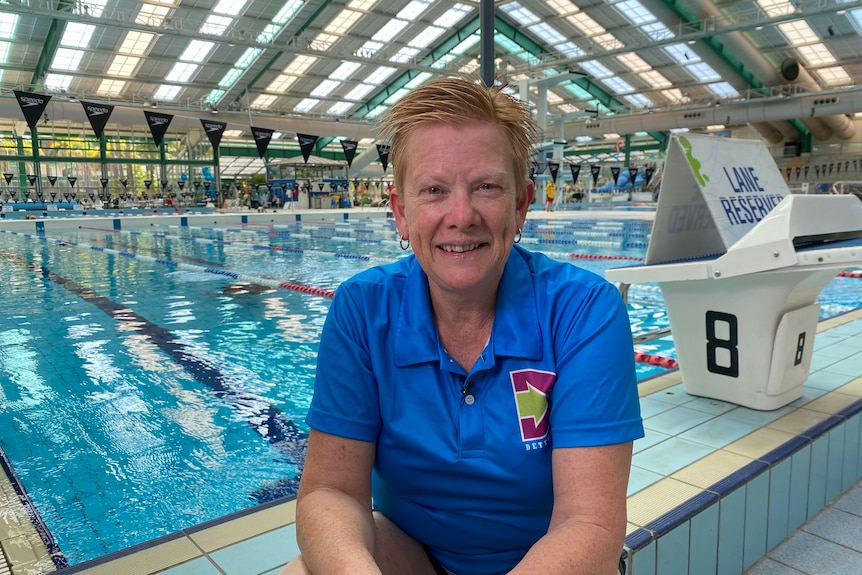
{"x": 460, "y": 205}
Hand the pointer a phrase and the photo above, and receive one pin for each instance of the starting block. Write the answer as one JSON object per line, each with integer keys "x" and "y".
{"x": 740, "y": 262}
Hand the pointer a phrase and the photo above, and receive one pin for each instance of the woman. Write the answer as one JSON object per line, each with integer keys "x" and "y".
{"x": 484, "y": 396}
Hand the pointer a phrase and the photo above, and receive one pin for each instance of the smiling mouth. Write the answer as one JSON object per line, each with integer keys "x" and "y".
{"x": 459, "y": 249}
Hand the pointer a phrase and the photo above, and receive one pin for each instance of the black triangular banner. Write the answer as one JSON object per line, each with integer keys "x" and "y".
{"x": 52, "y": 180}
{"x": 383, "y": 154}
{"x": 181, "y": 184}
{"x": 31, "y": 178}
{"x": 214, "y": 131}
{"x": 72, "y": 180}
{"x": 349, "y": 147}
{"x": 104, "y": 182}
{"x": 8, "y": 176}
{"x": 158, "y": 124}
{"x": 98, "y": 114}
{"x": 262, "y": 137}
{"x": 554, "y": 168}
{"x": 615, "y": 173}
{"x": 306, "y": 145}
{"x": 148, "y": 183}
{"x": 124, "y": 182}
{"x": 595, "y": 170}
{"x": 633, "y": 172}
{"x": 32, "y": 106}
{"x": 576, "y": 171}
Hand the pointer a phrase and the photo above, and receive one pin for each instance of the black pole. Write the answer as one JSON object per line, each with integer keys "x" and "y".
{"x": 486, "y": 58}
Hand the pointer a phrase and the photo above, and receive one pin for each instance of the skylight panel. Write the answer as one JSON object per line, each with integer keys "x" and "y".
{"x": 680, "y": 53}
{"x": 596, "y": 69}
{"x": 774, "y": 8}
{"x": 376, "y": 111}
{"x": 547, "y": 33}
{"x": 452, "y": 16}
{"x": 341, "y": 24}
{"x": 263, "y": 102}
{"x": 229, "y": 7}
{"x": 306, "y": 105}
{"x": 124, "y": 66}
{"x": 404, "y": 55}
{"x": 634, "y": 12}
{"x": 77, "y": 35}
{"x": 339, "y": 109}
{"x": 561, "y": 7}
{"x": 216, "y": 25}
{"x": 57, "y": 82}
{"x": 369, "y": 49}
{"x": 657, "y": 31}
{"x": 111, "y": 88}
{"x": 136, "y": 43}
{"x": 152, "y": 15}
{"x": 196, "y": 51}
{"x": 281, "y": 84}
{"x": 390, "y": 30}
{"x": 675, "y": 95}
{"x": 400, "y": 93}
{"x": 426, "y": 37}
{"x": 833, "y": 76}
{"x": 268, "y": 34}
{"x": 325, "y": 88}
{"x": 816, "y": 54}
{"x": 654, "y": 79}
{"x": 798, "y": 32}
{"x": 585, "y": 24}
{"x": 7, "y": 25}
{"x": 166, "y": 93}
{"x": 96, "y": 7}
{"x": 703, "y": 72}
{"x": 570, "y": 50}
{"x": 608, "y": 41}
{"x": 418, "y": 80}
{"x": 345, "y": 70}
{"x": 466, "y": 44}
{"x": 364, "y": 5}
{"x": 579, "y": 92}
{"x": 230, "y": 78}
{"x": 232, "y": 133}
{"x": 248, "y": 57}
{"x": 359, "y": 92}
{"x": 300, "y": 65}
{"x": 723, "y": 89}
{"x": 443, "y": 61}
{"x": 855, "y": 17}
{"x": 638, "y": 100}
{"x": 324, "y": 41}
{"x": 414, "y": 10}
{"x": 633, "y": 62}
{"x": 380, "y": 75}
{"x": 66, "y": 59}
{"x": 287, "y": 11}
{"x": 617, "y": 85}
{"x": 520, "y": 14}
{"x": 182, "y": 71}
{"x": 4, "y": 51}
{"x": 214, "y": 96}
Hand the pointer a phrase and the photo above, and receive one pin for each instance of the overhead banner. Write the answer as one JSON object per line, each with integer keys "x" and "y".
{"x": 349, "y": 147}
{"x": 98, "y": 114}
{"x": 32, "y": 106}
{"x": 554, "y": 168}
{"x": 383, "y": 154}
{"x": 576, "y": 171}
{"x": 214, "y": 131}
{"x": 158, "y": 124}
{"x": 595, "y": 170}
{"x": 615, "y": 174}
{"x": 306, "y": 145}
{"x": 262, "y": 138}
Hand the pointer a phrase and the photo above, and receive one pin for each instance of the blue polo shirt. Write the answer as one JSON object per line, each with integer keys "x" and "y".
{"x": 469, "y": 474}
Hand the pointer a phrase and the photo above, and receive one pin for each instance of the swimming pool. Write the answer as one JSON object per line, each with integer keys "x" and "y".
{"x": 155, "y": 378}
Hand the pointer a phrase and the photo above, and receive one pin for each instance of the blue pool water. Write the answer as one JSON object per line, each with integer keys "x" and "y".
{"x": 144, "y": 389}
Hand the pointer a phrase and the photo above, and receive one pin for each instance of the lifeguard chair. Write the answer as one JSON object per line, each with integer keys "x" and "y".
{"x": 740, "y": 263}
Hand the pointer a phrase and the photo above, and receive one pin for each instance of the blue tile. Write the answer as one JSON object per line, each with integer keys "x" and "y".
{"x": 719, "y": 431}
{"x": 651, "y": 407}
{"x": 672, "y": 551}
{"x": 853, "y": 428}
{"x": 817, "y": 477}
{"x": 760, "y": 418}
{"x": 756, "y": 509}
{"x": 731, "y": 527}
{"x": 851, "y": 366}
{"x": 835, "y": 466}
{"x": 713, "y": 406}
{"x": 260, "y": 554}
{"x": 779, "y": 504}
{"x": 811, "y": 554}
{"x": 703, "y": 557}
{"x": 643, "y": 561}
{"x": 640, "y": 479}
{"x": 676, "y": 420}
{"x": 670, "y": 456}
{"x": 837, "y": 526}
{"x": 649, "y": 439}
{"x": 199, "y": 566}
{"x": 800, "y": 469}
{"x": 827, "y": 381}
{"x": 675, "y": 395}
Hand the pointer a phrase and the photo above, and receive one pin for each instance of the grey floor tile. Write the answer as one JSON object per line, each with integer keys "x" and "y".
{"x": 837, "y": 526}
{"x": 768, "y": 566}
{"x": 851, "y": 502}
{"x": 815, "y": 556}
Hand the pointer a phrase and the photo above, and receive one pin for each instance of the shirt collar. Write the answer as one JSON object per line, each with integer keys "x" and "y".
{"x": 417, "y": 339}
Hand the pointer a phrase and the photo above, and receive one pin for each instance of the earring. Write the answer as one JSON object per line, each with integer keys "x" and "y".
{"x": 404, "y": 246}
{"x": 518, "y": 236}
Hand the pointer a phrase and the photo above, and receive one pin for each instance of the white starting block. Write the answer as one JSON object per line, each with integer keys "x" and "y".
{"x": 740, "y": 263}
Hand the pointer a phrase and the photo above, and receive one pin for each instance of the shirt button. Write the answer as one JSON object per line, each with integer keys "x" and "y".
{"x": 469, "y": 400}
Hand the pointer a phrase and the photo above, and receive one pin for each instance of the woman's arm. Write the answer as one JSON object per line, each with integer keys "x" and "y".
{"x": 588, "y": 523}
{"x": 334, "y": 525}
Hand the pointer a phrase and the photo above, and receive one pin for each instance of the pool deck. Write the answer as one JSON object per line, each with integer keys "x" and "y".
{"x": 766, "y": 485}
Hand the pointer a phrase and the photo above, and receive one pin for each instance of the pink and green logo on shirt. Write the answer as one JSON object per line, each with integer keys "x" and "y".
{"x": 531, "y": 389}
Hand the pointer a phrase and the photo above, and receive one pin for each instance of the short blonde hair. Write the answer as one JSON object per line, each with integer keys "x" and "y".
{"x": 458, "y": 101}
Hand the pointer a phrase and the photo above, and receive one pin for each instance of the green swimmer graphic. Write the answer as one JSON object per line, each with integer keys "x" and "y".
{"x": 702, "y": 179}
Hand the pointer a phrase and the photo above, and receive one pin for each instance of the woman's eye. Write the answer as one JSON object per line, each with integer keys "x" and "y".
{"x": 432, "y": 191}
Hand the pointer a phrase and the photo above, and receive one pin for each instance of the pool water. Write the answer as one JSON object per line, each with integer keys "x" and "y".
{"x": 151, "y": 381}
